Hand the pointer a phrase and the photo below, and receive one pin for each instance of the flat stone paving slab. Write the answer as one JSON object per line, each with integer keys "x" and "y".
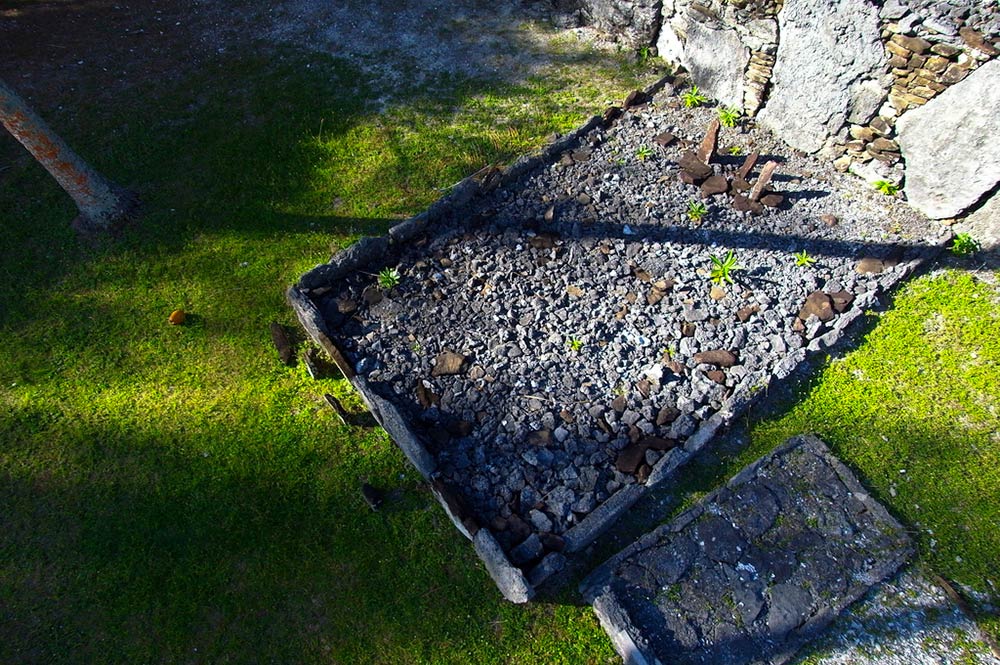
{"x": 754, "y": 570}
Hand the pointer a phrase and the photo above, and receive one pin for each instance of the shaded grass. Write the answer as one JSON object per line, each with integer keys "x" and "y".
{"x": 174, "y": 493}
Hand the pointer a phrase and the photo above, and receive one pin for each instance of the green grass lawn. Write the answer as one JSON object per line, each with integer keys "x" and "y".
{"x": 175, "y": 494}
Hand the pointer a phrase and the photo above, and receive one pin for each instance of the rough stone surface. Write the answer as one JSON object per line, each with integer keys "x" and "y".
{"x": 716, "y": 58}
{"x": 949, "y": 145}
{"x": 635, "y": 22}
{"x": 830, "y": 58}
{"x": 757, "y": 568}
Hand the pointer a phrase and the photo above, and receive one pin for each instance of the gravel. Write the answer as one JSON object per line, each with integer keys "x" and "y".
{"x": 591, "y": 339}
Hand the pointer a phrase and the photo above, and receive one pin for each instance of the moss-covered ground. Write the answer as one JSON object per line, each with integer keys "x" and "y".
{"x": 175, "y": 494}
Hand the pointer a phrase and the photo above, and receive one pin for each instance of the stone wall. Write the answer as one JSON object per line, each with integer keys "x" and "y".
{"x": 835, "y": 77}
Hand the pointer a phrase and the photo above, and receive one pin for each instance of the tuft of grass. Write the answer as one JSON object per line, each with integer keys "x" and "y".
{"x": 643, "y": 152}
{"x": 964, "y": 244}
{"x": 728, "y": 116}
{"x": 692, "y": 97}
{"x": 803, "y": 260}
{"x": 735, "y": 151}
{"x": 696, "y": 211}
{"x": 388, "y": 278}
{"x": 886, "y": 187}
{"x": 575, "y": 344}
{"x": 723, "y": 268}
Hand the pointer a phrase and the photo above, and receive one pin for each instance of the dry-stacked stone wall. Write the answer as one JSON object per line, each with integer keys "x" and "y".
{"x": 833, "y": 77}
{"x": 929, "y": 47}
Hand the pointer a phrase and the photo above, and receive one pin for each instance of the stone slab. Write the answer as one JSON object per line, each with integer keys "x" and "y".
{"x": 949, "y": 145}
{"x": 754, "y": 570}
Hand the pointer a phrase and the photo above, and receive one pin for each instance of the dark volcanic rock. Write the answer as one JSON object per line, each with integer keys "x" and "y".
{"x": 715, "y": 184}
{"x": 693, "y": 166}
{"x": 630, "y": 458}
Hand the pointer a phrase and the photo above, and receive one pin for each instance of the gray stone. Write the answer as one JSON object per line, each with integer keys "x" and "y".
{"x": 546, "y": 568}
{"x": 949, "y": 145}
{"x": 829, "y": 62}
{"x": 787, "y": 578}
{"x": 716, "y": 59}
{"x": 634, "y": 21}
{"x": 527, "y": 551}
{"x": 511, "y": 581}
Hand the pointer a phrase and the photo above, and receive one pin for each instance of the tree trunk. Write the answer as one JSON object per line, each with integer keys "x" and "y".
{"x": 103, "y": 206}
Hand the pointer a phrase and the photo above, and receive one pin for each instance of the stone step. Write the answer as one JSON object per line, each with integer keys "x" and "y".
{"x": 754, "y": 570}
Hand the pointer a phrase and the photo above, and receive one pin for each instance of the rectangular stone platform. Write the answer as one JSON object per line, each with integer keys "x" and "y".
{"x": 755, "y": 569}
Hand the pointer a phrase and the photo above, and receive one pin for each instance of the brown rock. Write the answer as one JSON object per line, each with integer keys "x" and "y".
{"x": 542, "y": 437}
{"x": 897, "y": 62}
{"x": 772, "y": 200}
{"x": 618, "y": 404}
{"x": 552, "y": 542}
{"x": 550, "y": 213}
{"x": 862, "y": 133}
{"x": 916, "y": 62}
{"x": 372, "y": 295}
{"x": 718, "y": 357}
{"x": 880, "y": 126}
{"x": 748, "y": 164}
{"x": 643, "y": 387}
{"x": 630, "y": 458}
{"x": 574, "y": 291}
{"x": 936, "y": 64}
{"x": 709, "y": 144}
{"x": 818, "y": 304}
{"x": 449, "y": 363}
{"x": 688, "y": 329}
{"x": 611, "y": 114}
{"x": 740, "y": 185}
{"x": 655, "y": 295}
{"x": 913, "y": 44}
{"x": 178, "y": 317}
{"x": 946, "y": 50}
{"x": 798, "y": 326}
{"x": 658, "y": 443}
{"x": 717, "y": 375}
{"x": 869, "y": 265}
{"x": 829, "y": 220}
{"x": 687, "y": 178}
{"x": 841, "y": 300}
{"x": 426, "y": 397}
{"x": 642, "y": 475}
{"x": 715, "y": 184}
{"x": 954, "y": 74}
{"x": 763, "y": 180}
{"x": 664, "y": 139}
{"x": 346, "y": 306}
{"x": 635, "y": 98}
{"x": 741, "y": 203}
{"x": 543, "y": 241}
{"x": 675, "y": 366}
{"x": 976, "y": 40}
{"x": 744, "y": 313}
{"x": 693, "y": 166}
{"x": 282, "y": 343}
{"x": 567, "y": 416}
{"x": 717, "y": 292}
{"x": 667, "y": 415}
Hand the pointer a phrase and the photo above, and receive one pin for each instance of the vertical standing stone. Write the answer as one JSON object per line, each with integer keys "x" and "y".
{"x": 763, "y": 180}
{"x": 709, "y": 144}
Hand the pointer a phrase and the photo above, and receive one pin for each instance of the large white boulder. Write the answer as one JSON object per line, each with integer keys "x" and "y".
{"x": 830, "y": 60}
{"x": 950, "y": 145}
{"x": 716, "y": 58}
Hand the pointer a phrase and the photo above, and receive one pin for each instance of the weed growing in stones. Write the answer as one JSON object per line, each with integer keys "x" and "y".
{"x": 735, "y": 151}
{"x": 693, "y": 97}
{"x": 643, "y": 152}
{"x": 886, "y": 187}
{"x": 728, "y": 116}
{"x": 964, "y": 244}
{"x": 575, "y": 344}
{"x": 388, "y": 278}
{"x": 802, "y": 259}
{"x": 643, "y": 55}
{"x": 723, "y": 268}
{"x": 696, "y": 211}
